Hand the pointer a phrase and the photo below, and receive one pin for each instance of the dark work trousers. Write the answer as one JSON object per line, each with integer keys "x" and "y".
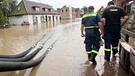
{"x": 92, "y": 41}
{"x": 111, "y": 37}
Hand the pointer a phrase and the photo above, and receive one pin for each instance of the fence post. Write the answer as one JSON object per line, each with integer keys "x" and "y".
{"x": 127, "y": 38}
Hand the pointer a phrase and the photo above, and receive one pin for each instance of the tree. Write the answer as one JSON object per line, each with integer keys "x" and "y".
{"x": 83, "y": 10}
{"x": 1, "y": 18}
{"x": 6, "y": 7}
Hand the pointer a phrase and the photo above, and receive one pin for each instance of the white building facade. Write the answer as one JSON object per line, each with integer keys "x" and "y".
{"x": 33, "y": 13}
{"x": 31, "y": 19}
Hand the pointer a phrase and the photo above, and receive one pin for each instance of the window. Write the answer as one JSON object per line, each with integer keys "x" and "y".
{"x": 46, "y": 10}
{"x": 43, "y": 9}
{"x": 49, "y": 10}
{"x": 37, "y": 9}
{"x": 42, "y": 18}
{"x": 18, "y": 8}
{"x": 35, "y": 19}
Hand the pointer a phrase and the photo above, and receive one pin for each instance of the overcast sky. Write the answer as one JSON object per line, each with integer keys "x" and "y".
{"x": 74, "y": 3}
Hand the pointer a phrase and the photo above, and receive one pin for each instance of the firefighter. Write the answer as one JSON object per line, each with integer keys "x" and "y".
{"x": 112, "y": 25}
{"x": 90, "y": 24}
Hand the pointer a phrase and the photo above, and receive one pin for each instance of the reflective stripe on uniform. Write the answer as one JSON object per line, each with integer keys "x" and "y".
{"x": 88, "y": 52}
{"x": 107, "y": 49}
{"x": 113, "y": 10}
{"x": 115, "y": 47}
{"x": 91, "y": 27}
{"x": 89, "y": 15}
{"x": 94, "y": 51}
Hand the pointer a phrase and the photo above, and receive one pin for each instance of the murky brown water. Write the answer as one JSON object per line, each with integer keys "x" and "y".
{"x": 67, "y": 57}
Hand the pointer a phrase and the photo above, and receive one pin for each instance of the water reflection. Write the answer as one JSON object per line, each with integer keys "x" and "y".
{"x": 18, "y": 38}
{"x": 68, "y": 58}
{"x": 91, "y": 71}
{"x": 113, "y": 68}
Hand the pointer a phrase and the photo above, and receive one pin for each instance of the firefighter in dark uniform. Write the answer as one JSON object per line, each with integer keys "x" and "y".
{"x": 90, "y": 25}
{"x": 112, "y": 25}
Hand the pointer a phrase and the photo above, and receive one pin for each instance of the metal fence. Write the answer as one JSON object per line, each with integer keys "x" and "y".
{"x": 127, "y": 52}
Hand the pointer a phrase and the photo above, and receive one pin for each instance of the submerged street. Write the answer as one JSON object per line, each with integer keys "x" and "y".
{"x": 66, "y": 58}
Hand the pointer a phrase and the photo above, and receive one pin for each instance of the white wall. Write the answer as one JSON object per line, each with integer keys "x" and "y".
{"x": 30, "y": 19}
{"x": 18, "y": 20}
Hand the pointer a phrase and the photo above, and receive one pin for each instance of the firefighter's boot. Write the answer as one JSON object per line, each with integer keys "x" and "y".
{"x": 107, "y": 55}
{"x": 114, "y": 51}
{"x": 92, "y": 58}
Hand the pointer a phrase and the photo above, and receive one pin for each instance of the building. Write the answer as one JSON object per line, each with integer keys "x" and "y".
{"x": 32, "y": 12}
{"x": 77, "y": 12}
{"x": 67, "y": 12}
{"x": 121, "y": 3}
{"x": 124, "y": 4}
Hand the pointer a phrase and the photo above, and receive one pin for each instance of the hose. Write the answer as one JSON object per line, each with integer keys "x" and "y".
{"x": 14, "y": 66}
{"x": 28, "y": 57}
{"x": 23, "y": 53}
{"x": 22, "y": 59}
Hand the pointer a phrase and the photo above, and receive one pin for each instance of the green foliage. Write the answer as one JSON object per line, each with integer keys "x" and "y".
{"x": 6, "y": 7}
{"x": 83, "y": 10}
{"x": 130, "y": 24}
{"x": 1, "y": 19}
{"x": 100, "y": 11}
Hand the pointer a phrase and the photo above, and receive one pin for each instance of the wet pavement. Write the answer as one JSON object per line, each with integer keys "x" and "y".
{"x": 66, "y": 58}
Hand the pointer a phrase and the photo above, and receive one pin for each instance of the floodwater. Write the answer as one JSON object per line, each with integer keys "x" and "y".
{"x": 66, "y": 58}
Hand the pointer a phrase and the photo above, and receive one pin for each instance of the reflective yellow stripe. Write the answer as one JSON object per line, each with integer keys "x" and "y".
{"x": 107, "y": 49}
{"x": 91, "y": 27}
{"x": 89, "y": 15}
{"x": 112, "y": 10}
{"x": 115, "y": 47}
{"x": 88, "y": 52}
{"x": 94, "y": 51}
